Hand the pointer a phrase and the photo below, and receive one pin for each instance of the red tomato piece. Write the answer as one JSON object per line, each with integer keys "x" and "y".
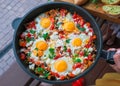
{"x": 22, "y": 43}
{"x": 57, "y": 56}
{"x": 71, "y": 75}
{"x": 62, "y": 12}
{"x": 90, "y": 57}
{"x": 22, "y": 56}
{"x": 52, "y": 27}
{"x": 69, "y": 50}
{"x": 62, "y": 77}
{"x": 81, "y": 22}
{"x": 81, "y": 53}
{"x": 29, "y": 35}
{"x": 77, "y": 65}
{"x": 87, "y": 46}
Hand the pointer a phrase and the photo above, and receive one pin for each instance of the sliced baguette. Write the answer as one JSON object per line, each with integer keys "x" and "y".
{"x": 111, "y": 2}
{"x": 80, "y": 2}
{"x": 112, "y": 9}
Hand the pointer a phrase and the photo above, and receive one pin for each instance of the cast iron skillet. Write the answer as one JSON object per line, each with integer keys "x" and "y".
{"x": 18, "y": 25}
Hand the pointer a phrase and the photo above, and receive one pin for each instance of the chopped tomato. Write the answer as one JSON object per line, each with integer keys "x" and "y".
{"x": 22, "y": 56}
{"x": 57, "y": 75}
{"x": 94, "y": 37}
{"x": 62, "y": 12}
{"x": 71, "y": 75}
{"x": 90, "y": 57}
{"x": 57, "y": 56}
{"x": 75, "y": 16}
{"x": 61, "y": 36}
{"x": 22, "y": 43}
{"x": 69, "y": 50}
{"x": 62, "y": 77}
{"x": 29, "y": 35}
{"x": 77, "y": 65}
{"x": 87, "y": 46}
{"x": 37, "y": 62}
{"x": 81, "y": 53}
{"x": 52, "y": 19}
{"x": 81, "y": 22}
{"x": 31, "y": 25}
{"x": 52, "y": 27}
{"x": 31, "y": 60}
{"x": 88, "y": 24}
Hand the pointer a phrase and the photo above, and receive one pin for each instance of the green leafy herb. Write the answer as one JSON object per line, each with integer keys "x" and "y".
{"x": 52, "y": 50}
{"x": 81, "y": 29}
{"x": 45, "y": 36}
{"x": 29, "y": 54}
{"x": 68, "y": 41}
{"x": 86, "y": 52}
{"x": 77, "y": 60}
{"x": 28, "y": 39}
{"x": 65, "y": 48}
{"x": 39, "y": 69}
{"x": 36, "y": 49}
{"x": 51, "y": 56}
{"x": 32, "y": 31}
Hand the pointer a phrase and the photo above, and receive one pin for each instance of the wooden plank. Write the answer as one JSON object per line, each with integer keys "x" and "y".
{"x": 95, "y": 72}
{"x": 96, "y": 10}
{"x": 15, "y": 76}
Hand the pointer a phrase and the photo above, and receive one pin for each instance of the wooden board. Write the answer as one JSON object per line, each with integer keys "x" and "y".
{"x": 96, "y": 10}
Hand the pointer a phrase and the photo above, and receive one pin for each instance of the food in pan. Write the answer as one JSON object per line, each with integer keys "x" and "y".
{"x": 57, "y": 45}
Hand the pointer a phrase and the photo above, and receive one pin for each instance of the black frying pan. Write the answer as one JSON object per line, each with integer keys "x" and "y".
{"x": 18, "y": 25}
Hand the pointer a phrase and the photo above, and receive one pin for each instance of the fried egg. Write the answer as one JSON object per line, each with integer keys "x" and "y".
{"x": 62, "y": 65}
{"x": 77, "y": 41}
{"x": 38, "y": 48}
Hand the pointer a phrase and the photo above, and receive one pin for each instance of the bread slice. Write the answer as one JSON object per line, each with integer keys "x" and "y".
{"x": 111, "y": 2}
{"x": 112, "y": 9}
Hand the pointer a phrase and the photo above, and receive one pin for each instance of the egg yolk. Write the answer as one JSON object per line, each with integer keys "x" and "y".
{"x": 69, "y": 26}
{"x": 45, "y": 22}
{"x": 38, "y": 53}
{"x": 60, "y": 65}
{"x": 77, "y": 42}
{"x": 41, "y": 45}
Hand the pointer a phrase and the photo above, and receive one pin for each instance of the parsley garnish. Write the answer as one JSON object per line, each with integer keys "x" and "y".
{"x": 36, "y": 49}
{"x": 45, "y": 36}
{"x": 29, "y": 54}
{"x": 81, "y": 29}
{"x": 52, "y": 53}
{"x": 65, "y": 48}
{"x": 68, "y": 41}
{"x": 32, "y": 31}
{"x": 28, "y": 39}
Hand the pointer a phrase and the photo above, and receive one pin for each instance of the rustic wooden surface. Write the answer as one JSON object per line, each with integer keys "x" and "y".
{"x": 96, "y": 10}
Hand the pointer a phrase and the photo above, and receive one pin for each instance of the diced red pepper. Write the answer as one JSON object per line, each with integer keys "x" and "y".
{"x": 61, "y": 36}
{"x": 22, "y": 43}
{"x": 56, "y": 74}
{"x": 87, "y": 45}
{"x": 62, "y": 12}
{"x": 81, "y": 22}
{"x": 90, "y": 57}
{"x": 75, "y": 16}
{"x": 62, "y": 77}
{"x": 77, "y": 65}
{"x": 69, "y": 50}
{"x": 71, "y": 75}
{"x": 31, "y": 25}
{"x": 52, "y": 19}
{"x": 22, "y": 56}
{"x": 81, "y": 53}
{"x": 57, "y": 56}
{"x": 29, "y": 35}
{"x": 52, "y": 27}
{"x": 88, "y": 24}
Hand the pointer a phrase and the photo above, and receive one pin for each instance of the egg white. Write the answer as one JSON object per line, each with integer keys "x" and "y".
{"x": 69, "y": 62}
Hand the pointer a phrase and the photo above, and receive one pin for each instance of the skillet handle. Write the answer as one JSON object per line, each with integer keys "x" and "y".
{"x": 108, "y": 56}
{"x": 16, "y": 23}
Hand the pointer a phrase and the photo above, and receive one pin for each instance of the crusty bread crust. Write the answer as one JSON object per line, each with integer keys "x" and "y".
{"x": 80, "y": 2}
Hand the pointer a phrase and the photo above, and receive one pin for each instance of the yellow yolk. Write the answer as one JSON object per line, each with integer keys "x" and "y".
{"x": 38, "y": 52}
{"x": 76, "y": 42}
{"x": 69, "y": 26}
{"x": 41, "y": 45}
{"x": 45, "y": 22}
{"x": 60, "y": 65}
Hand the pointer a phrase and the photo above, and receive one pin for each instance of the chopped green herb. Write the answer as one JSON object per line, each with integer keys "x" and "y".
{"x": 36, "y": 49}
{"x": 29, "y": 54}
{"x": 28, "y": 39}
{"x": 32, "y": 31}
{"x": 68, "y": 40}
{"x": 94, "y": 1}
{"x": 51, "y": 50}
{"x": 45, "y": 36}
{"x": 75, "y": 55}
{"x": 86, "y": 52}
{"x": 65, "y": 48}
{"x": 39, "y": 69}
{"x": 77, "y": 60}
{"x": 81, "y": 29}
{"x": 51, "y": 56}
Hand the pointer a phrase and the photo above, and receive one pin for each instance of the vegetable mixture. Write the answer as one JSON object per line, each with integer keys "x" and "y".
{"x": 58, "y": 45}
